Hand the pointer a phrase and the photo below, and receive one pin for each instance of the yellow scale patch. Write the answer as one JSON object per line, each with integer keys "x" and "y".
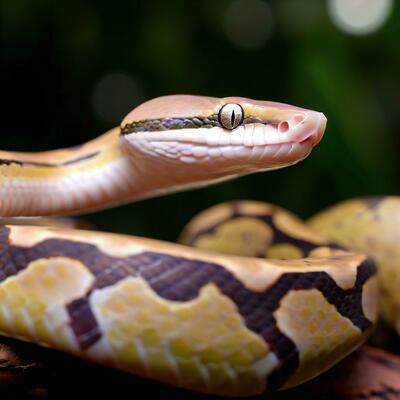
{"x": 201, "y": 344}
{"x": 243, "y": 236}
{"x": 32, "y": 303}
{"x": 321, "y": 334}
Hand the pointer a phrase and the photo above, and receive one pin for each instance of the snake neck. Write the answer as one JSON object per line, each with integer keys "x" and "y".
{"x": 67, "y": 181}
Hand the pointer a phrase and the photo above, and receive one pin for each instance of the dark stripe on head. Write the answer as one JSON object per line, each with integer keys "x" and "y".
{"x": 42, "y": 164}
{"x": 180, "y": 279}
{"x": 151, "y": 125}
{"x": 163, "y": 124}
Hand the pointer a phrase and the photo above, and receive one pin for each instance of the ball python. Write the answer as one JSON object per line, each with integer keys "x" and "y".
{"x": 199, "y": 320}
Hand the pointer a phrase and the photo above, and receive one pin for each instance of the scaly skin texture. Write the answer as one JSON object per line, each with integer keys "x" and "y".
{"x": 367, "y": 225}
{"x": 141, "y": 305}
{"x": 371, "y": 226}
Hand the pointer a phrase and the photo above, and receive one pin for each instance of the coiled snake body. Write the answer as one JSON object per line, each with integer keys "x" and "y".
{"x": 209, "y": 322}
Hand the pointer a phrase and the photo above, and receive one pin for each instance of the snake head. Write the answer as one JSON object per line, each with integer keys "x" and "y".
{"x": 216, "y": 138}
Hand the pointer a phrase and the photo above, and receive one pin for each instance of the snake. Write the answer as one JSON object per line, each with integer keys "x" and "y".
{"x": 214, "y": 323}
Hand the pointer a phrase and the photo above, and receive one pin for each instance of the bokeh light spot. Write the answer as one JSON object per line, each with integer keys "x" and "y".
{"x": 115, "y": 95}
{"x": 248, "y": 23}
{"x": 359, "y": 17}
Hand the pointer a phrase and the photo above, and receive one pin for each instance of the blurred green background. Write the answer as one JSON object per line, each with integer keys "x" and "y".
{"x": 72, "y": 69}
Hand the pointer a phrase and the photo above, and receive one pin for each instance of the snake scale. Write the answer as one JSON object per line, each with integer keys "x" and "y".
{"x": 200, "y": 320}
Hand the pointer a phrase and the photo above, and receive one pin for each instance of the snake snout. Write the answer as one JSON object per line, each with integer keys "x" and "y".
{"x": 321, "y": 122}
{"x": 305, "y": 126}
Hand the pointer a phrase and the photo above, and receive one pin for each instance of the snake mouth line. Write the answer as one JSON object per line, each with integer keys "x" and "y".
{"x": 309, "y": 140}
{"x": 256, "y": 136}
{"x": 306, "y": 141}
{"x": 271, "y": 154}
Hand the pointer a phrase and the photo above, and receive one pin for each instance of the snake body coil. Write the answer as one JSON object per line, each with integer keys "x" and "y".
{"x": 199, "y": 320}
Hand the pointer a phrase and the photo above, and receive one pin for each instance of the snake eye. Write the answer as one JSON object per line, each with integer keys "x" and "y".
{"x": 230, "y": 116}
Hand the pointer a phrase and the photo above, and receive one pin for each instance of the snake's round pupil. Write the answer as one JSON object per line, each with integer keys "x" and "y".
{"x": 230, "y": 116}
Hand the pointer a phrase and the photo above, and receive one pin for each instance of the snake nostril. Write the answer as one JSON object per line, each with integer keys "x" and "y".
{"x": 283, "y": 127}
